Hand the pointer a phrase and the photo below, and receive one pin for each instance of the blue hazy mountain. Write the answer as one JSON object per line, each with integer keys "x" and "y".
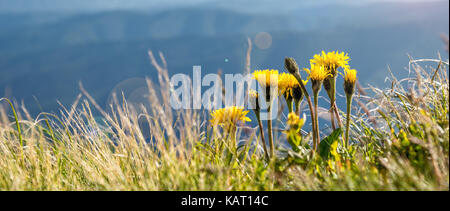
{"x": 46, "y": 54}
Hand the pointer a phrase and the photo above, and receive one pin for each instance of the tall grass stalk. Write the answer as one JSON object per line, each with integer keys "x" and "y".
{"x": 19, "y": 131}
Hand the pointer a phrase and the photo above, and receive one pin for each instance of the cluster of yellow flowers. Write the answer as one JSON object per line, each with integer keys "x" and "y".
{"x": 331, "y": 61}
{"x": 328, "y": 64}
{"x": 286, "y": 83}
{"x": 323, "y": 67}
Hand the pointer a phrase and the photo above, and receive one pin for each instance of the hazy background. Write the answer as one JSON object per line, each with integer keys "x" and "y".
{"x": 48, "y": 46}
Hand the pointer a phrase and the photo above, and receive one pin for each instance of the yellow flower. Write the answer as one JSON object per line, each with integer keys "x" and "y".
{"x": 349, "y": 81}
{"x": 317, "y": 72}
{"x": 229, "y": 116}
{"x": 287, "y": 83}
{"x": 350, "y": 75}
{"x": 294, "y": 121}
{"x": 331, "y": 61}
{"x": 266, "y": 78}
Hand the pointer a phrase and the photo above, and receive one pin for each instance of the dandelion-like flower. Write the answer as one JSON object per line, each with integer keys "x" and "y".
{"x": 349, "y": 81}
{"x": 288, "y": 85}
{"x": 331, "y": 61}
{"x": 349, "y": 88}
{"x": 293, "y": 119}
{"x": 229, "y": 116}
{"x": 268, "y": 79}
{"x": 350, "y": 75}
{"x": 317, "y": 72}
{"x": 290, "y": 88}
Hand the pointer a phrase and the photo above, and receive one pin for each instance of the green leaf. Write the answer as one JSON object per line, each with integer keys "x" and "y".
{"x": 325, "y": 144}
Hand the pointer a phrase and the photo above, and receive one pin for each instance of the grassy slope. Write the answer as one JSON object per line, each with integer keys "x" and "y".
{"x": 400, "y": 142}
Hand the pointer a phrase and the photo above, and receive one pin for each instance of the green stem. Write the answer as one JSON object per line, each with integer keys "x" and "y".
{"x": 269, "y": 126}
{"x": 232, "y": 154}
{"x": 292, "y": 67}
{"x": 233, "y": 139}
{"x": 331, "y": 111}
{"x": 297, "y": 107}
{"x": 261, "y": 131}
{"x": 316, "y": 121}
{"x": 347, "y": 125}
{"x": 290, "y": 104}
{"x": 336, "y": 112}
{"x": 313, "y": 121}
{"x": 308, "y": 99}
{"x": 332, "y": 100}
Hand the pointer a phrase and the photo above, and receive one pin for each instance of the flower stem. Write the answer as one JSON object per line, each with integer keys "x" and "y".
{"x": 308, "y": 99}
{"x": 332, "y": 100}
{"x": 292, "y": 67}
{"x": 269, "y": 126}
{"x": 266, "y": 154}
{"x": 316, "y": 121}
{"x": 290, "y": 104}
{"x": 297, "y": 107}
{"x": 347, "y": 126}
{"x": 336, "y": 112}
{"x": 331, "y": 111}
{"x": 233, "y": 140}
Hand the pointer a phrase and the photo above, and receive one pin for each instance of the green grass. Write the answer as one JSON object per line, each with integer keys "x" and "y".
{"x": 399, "y": 141}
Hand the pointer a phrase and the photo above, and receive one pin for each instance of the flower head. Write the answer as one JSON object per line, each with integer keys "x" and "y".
{"x": 331, "y": 61}
{"x": 294, "y": 120}
{"x": 286, "y": 84}
{"x": 317, "y": 72}
{"x": 291, "y": 65}
{"x": 350, "y": 75}
{"x": 266, "y": 78}
{"x": 229, "y": 116}
{"x": 349, "y": 80}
